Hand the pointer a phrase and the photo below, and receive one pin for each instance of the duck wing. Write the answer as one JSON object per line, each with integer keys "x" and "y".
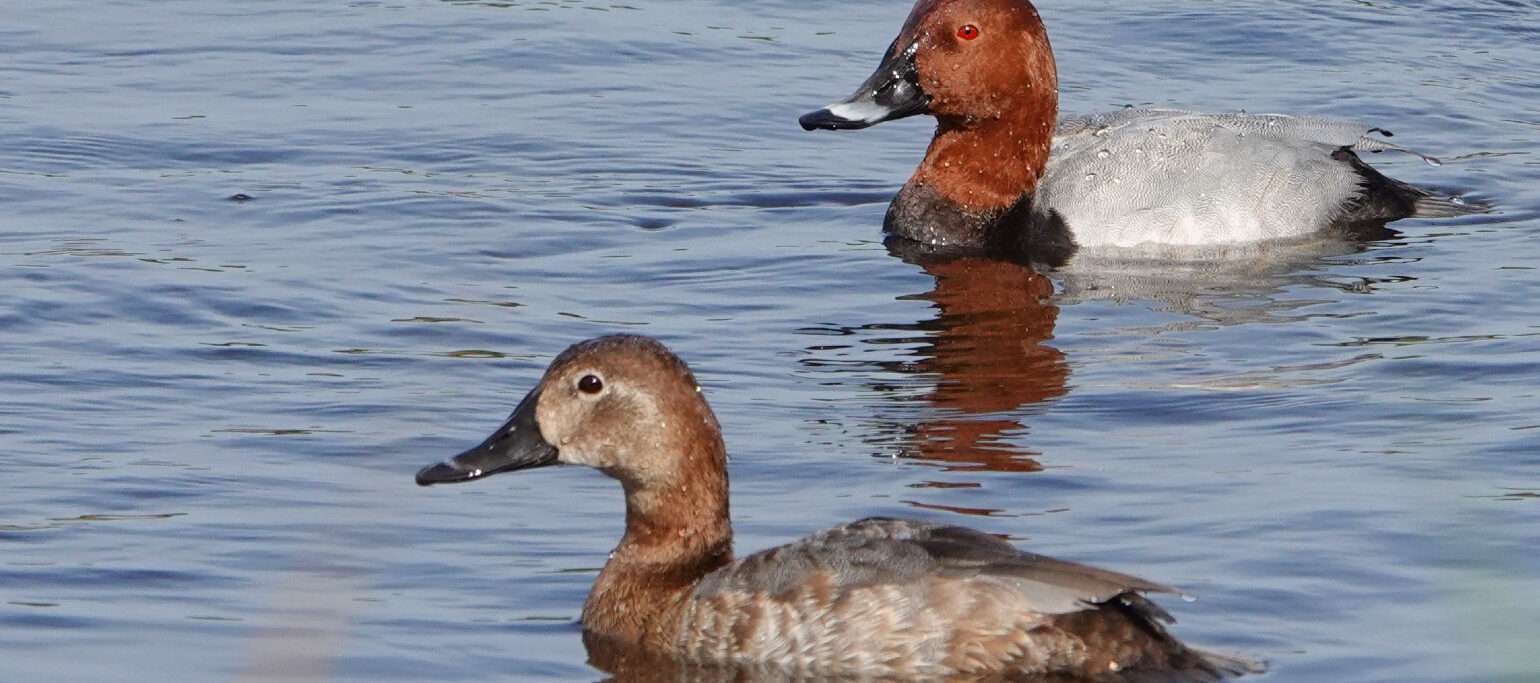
{"x": 884, "y": 551}
{"x": 901, "y": 598}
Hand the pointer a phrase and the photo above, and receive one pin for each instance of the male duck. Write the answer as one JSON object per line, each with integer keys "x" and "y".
{"x": 999, "y": 176}
{"x": 875, "y": 598}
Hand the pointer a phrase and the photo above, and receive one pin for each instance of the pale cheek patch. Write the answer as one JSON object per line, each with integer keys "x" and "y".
{"x": 575, "y": 456}
{"x": 599, "y": 455}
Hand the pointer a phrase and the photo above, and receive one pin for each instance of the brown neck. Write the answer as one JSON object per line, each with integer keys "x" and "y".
{"x": 677, "y": 531}
{"x": 988, "y": 165}
{"x": 678, "y": 522}
{"x": 975, "y": 177}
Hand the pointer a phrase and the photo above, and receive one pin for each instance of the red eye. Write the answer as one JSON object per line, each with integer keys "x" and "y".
{"x": 968, "y": 32}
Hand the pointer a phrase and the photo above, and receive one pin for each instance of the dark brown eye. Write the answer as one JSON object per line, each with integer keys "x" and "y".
{"x": 590, "y": 384}
{"x": 968, "y": 32}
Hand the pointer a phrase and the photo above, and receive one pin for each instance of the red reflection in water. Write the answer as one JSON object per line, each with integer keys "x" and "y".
{"x": 990, "y": 356}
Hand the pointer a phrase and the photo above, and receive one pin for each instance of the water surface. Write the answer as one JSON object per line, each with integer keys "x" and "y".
{"x": 262, "y": 261}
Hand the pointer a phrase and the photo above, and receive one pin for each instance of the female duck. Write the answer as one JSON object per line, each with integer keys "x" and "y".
{"x": 874, "y": 598}
{"x": 999, "y": 176}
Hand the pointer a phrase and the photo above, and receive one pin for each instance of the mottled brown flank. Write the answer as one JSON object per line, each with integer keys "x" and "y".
{"x": 995, "y": 100}
{"x": 895, "y": 598}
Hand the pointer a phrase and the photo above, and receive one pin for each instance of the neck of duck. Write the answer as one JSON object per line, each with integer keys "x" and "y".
{"x": 977, "y": 173}
{"x": 677, "y": 531}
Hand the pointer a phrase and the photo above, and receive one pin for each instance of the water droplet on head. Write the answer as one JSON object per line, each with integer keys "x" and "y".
{"x": 1103, "y": 154}
{"x": 1090, "y": 176}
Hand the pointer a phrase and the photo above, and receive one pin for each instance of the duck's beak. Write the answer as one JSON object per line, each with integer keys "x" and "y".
{"x": 517, "y": 445}
{"x": 892, "y": 92}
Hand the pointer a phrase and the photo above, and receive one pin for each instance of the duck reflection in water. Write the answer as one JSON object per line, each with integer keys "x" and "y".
{"x": 986, "y": 356}
{"x": 990, "y": 355}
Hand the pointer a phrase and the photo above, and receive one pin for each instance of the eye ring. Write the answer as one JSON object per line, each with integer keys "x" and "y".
{"x": 590, "y": 384}
{"x": 968, "y": 32}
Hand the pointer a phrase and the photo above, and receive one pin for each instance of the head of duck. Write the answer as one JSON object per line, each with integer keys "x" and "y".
{"x": 628, "y": 407}
{"x": 985, "y": 70}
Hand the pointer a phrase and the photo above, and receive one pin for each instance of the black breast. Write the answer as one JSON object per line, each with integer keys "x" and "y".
{"x": 936, "y": 224}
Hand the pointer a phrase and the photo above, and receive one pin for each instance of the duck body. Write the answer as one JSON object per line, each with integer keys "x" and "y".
{"x": 882, "y": 598}
{"x": 1140, "y": 176}
{"x": 904, "y": 598}
{"x": 1004, "y": 174}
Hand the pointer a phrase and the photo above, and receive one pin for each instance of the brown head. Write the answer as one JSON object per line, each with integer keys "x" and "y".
{"x": 985, "y": 70}
{"x": 628, "y": 407}
{"x": 624, "y": 405}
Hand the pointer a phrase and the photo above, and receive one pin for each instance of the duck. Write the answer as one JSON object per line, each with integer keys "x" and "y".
{"x": 875, "y": 598}
{"x": 1004, "y": 175}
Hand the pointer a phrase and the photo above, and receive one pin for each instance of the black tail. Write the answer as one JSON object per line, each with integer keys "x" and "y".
{"x": 1384, "y": 199}
{"x": 1177, "y": 662}
{"x": 1228, "y": 666}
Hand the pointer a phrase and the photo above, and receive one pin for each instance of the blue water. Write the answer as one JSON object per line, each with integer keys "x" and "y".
{"x": 261, "y": 261}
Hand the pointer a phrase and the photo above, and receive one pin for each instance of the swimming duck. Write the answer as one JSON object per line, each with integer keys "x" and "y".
{"x": 873, "y": 598}
{"x": 1001, "y": 176}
